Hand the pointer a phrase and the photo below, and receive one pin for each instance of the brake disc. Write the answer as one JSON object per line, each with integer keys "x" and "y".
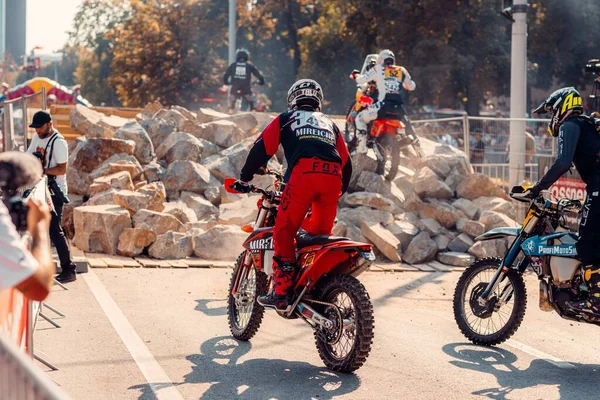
{"x": 480, "y": 311}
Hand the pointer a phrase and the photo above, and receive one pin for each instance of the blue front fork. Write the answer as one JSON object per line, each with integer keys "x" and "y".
{"x": 507, "y": 263}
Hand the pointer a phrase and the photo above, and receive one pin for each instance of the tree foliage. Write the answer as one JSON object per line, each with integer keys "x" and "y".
{"x": 167, "y": 51}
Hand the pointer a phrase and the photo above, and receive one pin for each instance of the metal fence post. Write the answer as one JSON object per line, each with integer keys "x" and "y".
{"x": 25, "y": 124}
{"x": 466, "y": 130}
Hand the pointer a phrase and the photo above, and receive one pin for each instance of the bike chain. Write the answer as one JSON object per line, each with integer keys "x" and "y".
{"x": 340, "y": 319}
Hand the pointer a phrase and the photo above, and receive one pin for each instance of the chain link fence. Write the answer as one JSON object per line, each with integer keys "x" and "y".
{"x": 486, "y": 142}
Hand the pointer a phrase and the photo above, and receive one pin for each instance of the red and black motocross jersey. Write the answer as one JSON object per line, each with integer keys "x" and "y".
{"x": 303, "y": 134}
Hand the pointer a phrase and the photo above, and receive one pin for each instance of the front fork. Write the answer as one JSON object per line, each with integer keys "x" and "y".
{"x": 501, "y": 273}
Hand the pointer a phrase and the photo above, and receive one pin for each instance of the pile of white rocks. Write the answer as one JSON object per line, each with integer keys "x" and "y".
{"x": 433, "y": 210}
{"x": 153, "y": 186}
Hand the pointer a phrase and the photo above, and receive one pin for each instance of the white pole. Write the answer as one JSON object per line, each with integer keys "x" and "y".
{"x": 518, "y": 92}
{"x": 232, "y": 29}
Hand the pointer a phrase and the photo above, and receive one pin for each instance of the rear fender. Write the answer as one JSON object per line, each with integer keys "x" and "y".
{"x": 498, "y": 233}
{"x": 339, "y": 258}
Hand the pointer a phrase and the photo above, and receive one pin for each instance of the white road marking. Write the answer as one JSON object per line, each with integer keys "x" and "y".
{"x": 156, "y": 377}
{"x": 539, "y": 354}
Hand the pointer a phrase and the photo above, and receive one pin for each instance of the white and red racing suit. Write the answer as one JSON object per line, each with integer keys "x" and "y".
{"x": 391, "y": 81}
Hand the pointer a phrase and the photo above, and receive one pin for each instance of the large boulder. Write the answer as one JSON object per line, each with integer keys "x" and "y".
{"x": 208, "y": 115}
{"x": 181, "y": 211}
{"x": 371, "y": 182}
{"x": 132, "y": 241}
{"x": 427, "y": 184}
{"x": 421, "y": 249}
{"x": 188, "y": 176}
{"x": 92, "y": 152}
{"x": 180, "y": 146}
{"x": 455, "y": 258}
{"x": 404, "y": 231}
{"x": 430, "y": 226}
{"x": 118, "y": 180}
{"x": 189, "y": 115}
{"x": 223, "y": 133}
{"x": 477, "y": 185}
{"x": 442, "y": 242}
{"x": 150, "y": 109}
{"x": 201, "y": 207}
{"x": 132, "y": 201}
{"x": 158, "y": 130}
{"x": 237, "y": 155}
{"x": 78, "y": 181}
{"x": 383, "y": 239}
{"x": 239, "y": 213}
{"x": 144, "y": 149}
{"x": 171, "y": 246}
{"x": 355, "y": 216}
{"x": 493, "y": 219}
{"x": 157, "y": 193}
{"x": 372, "y": 200}
{"x": 497, "y": 204}
{"x": 220, "y": 167}
{"x": 441, "y": 165}
{"x": 117, "y": 163}
{"x": 158, "y": 222}
{"x": 220, "y": 243}
{"x": 441, "y": 211}
{"x": 489, "y": 248}
{"x": 93, "y": 123}
{"x": 102, "y": 198}
{"x": 471, "y": 228}
{"x": 467, "y": 207}
{"x": 154, "y": 172}
{"x": 97, "y": 228}
{"x": 173, "y": 116}
{"x": 462, "y": 243}
{"x": 67, "y": 222}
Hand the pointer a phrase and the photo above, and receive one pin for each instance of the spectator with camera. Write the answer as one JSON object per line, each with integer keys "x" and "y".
{"x": 28, "y": 271}
{"x": 50, "y": 147}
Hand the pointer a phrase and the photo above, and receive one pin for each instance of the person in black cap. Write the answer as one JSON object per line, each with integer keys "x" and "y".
{"x": 50, "y": 147}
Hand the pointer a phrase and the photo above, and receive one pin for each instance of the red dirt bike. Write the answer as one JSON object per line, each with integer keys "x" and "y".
{"x": 387, "y": 138}
{"x": 327, "y": 295}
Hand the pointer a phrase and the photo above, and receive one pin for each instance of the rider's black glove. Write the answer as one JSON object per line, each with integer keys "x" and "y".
{"x": 241, "y": 186}
{"x": 531, "y": 193}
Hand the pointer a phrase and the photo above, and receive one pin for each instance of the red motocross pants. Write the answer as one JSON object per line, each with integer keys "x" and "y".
{"x": 313, "y": 183}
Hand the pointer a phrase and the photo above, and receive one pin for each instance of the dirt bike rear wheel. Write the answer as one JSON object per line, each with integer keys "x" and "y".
{"x": 473, "y": 319}
{"x": 351, "y": 350}
{"x": 350, "y": 130}
{"x": 244, "y": 313}
{"x": 389, "y": 148}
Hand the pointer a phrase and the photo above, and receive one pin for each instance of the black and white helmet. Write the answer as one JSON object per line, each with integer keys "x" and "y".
{"x": 305, "y": 92}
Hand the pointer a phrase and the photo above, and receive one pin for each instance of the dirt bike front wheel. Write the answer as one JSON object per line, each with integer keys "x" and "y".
{"x": 492, "y": 323}
{"x": 244, "y": 313}
{"x": 345, "y": 347}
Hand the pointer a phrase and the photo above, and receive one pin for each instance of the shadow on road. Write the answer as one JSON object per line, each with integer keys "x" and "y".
{"x": 408, "y": 287}
{"x": 573, "y": 383}
{"x": 212, "y": 307}
{"x": 219, "y": 365}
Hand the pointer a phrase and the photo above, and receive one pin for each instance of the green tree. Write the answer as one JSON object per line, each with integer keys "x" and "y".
{"x": 94, "y": 18}
{"x": 168, "y": 50}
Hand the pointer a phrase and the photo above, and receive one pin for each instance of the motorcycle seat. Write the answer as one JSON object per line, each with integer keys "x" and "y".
{"x": 305, "y": 240}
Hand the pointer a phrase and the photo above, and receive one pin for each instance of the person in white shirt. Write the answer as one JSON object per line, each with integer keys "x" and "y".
{"x": 29, "y": 271}
{"x": 52, "y": 150}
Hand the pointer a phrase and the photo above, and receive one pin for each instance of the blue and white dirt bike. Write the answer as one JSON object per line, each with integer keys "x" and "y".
{"x": 490, "y": 297}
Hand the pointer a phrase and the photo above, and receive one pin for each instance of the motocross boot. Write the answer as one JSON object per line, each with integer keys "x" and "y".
{"x": 283, "y": 279}
{"x": 362, "y": 142}
{"x": 591, "y": 305}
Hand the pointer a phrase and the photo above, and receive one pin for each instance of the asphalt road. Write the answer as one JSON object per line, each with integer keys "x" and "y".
{"x": 418, "y": 352}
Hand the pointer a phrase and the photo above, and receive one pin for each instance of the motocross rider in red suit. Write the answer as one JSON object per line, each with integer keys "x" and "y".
{"x": 319, "y": 172}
